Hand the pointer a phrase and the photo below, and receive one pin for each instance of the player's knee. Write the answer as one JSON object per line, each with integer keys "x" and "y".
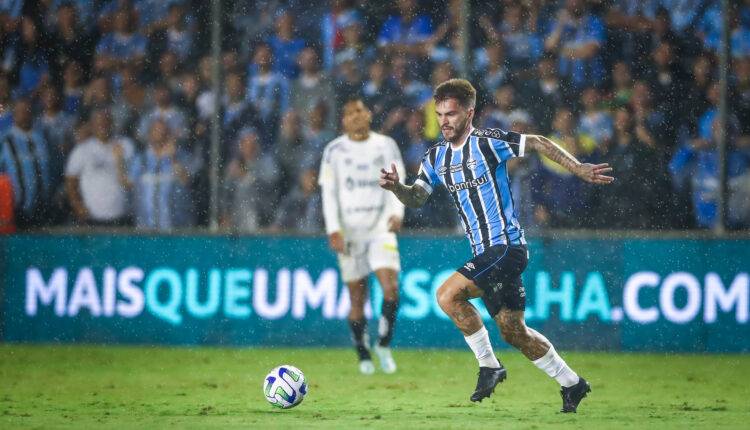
{"x": 445, "y": 297}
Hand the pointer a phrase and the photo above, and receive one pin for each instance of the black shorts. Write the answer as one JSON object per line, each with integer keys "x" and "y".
{"x": 497, "y": 272}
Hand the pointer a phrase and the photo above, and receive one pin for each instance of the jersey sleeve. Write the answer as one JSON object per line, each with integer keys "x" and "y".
{"x": 426, "y": 177}
{"x": 506, "y": 144}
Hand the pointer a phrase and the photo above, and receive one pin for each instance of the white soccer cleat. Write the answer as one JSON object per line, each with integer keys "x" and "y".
{"x": 366, "y": 367}
{"x": 387, "y": 363}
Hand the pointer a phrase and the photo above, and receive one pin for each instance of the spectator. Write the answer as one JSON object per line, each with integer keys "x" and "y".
{"x": 128, "y": 107}
{"x": 268, "y": 92}
{"x": 6, "y": 114}
{"x": 169, "y": 72}
{"x": 334, "y": 20}
{"x": 312, "y": 88}
{"x": 24, "y": 157}
{"x": 668, "y": 83}
{"x": 544, "y": 94}
{"x": 517, "y": 32}
{"x": 285, "y": 46}
{"x": 741, "y": 99}
{"x": 577, "y": 37}
{"x": 166, "y": 110}
{"x": 627, "y": 204}
{"x": 622, "y": 83}
{"x": 96, "y": 177}
{"x": 557, "y": 194}
{"x": 594, "y": 121}
{"x": 695, "y": 98}
{"x": 123, "y": 46}
{"x": 490, "y": 69}
{"x": 70, "y": 41}
{"x": 630, "y": 24}
{"x": 238, "y": 112}
{"x": 97, "y": 95}
{"x": 498, "y": 114}
{"x": 57, "y": 127}
{"x": 160, "y": 179}
{"x": 301, "y": 209}
{"x": 248, "y": 179}
{"x": 178, "y": 37}
{"x": 410, "y": 90}
{"x": 738, "y": 186}
{"x": 379, "y": 93}
{"x": 406, "y": 32}
{"x": 317, "y": 134}
{"x": 694, "y": 168}
{"x": 33, "y": 59}
{"x": 414, "y": 146}
{"x": 352, "y": 46}
{"x": 290, "y": 148}
{"x": 72, "y": 88}
{"x": 348, "y": 82}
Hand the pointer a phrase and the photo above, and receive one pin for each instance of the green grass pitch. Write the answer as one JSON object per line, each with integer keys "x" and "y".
{"x": 156, "y": 387}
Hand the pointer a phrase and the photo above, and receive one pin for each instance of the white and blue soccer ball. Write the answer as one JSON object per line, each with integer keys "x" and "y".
{"x": 285, "y": 387}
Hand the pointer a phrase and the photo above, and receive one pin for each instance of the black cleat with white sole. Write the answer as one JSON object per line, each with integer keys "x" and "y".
{"x": 488, "y": 379}
{"x": 572, "y": 396}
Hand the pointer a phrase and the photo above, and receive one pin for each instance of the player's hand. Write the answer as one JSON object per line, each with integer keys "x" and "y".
{"x": 595, "y": 173}
{"x": 336, "y": 242}
{"x": 388, "y": 180}
{"x": 394, "y": 224}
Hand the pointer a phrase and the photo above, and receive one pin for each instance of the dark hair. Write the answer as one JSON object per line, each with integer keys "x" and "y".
{"x": 459, "y": 89}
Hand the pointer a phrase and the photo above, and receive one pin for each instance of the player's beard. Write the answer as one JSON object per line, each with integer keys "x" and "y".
{"x": 458, "y": 131}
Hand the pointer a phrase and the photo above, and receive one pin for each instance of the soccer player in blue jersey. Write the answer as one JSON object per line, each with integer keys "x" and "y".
{"x": 471, "y": 164}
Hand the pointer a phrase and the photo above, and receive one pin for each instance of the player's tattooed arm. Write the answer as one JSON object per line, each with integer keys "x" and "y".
{"x": 412, "y": 196}
{"x": 594, "y": 173}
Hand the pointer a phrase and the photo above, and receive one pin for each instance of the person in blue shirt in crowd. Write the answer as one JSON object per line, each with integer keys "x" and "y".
{"x": 268, "y": 92}
{"x": 285, "y": 46}
{"x": 24, "y": 157}
{"x": 123, "y": 46}
{"x": 407, "y": 31}
{"x": 695, "y": 169}
{"x": 578, "y": 37}
{"x": 160, "y": 179}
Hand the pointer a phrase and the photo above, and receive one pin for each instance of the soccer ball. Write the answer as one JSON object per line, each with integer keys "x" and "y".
{"x": 285, "y": 387}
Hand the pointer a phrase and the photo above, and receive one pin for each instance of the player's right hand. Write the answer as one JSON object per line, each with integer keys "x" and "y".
{"x": 336, "y": 242}
{"x": 388, "y": 180}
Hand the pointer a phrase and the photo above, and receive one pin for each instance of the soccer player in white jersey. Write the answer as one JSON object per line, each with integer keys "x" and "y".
{"x": 361, "y": 222}
{"x": 471, "y": 164}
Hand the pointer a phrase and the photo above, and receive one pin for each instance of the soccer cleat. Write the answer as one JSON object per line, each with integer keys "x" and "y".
{"x": 572, "y": 396}
{"x": 387, "y": 363}
{"x": 366, "y": 367}
{"x": 488, "y": 379}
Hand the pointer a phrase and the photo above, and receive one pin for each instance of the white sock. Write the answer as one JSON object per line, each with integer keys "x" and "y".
{"x": 553, "y": 365}
{"x": 479, "y": 342}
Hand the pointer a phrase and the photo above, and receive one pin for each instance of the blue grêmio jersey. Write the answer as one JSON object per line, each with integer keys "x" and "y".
{"x": 476, "y": 176}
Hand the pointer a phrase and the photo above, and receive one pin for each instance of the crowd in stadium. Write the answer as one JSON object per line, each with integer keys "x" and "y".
{"x": 105, "y": 106}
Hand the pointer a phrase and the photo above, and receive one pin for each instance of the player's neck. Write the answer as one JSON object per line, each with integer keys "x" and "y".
{"x": 359, "y": 136}
{"x": 460, "y": 142}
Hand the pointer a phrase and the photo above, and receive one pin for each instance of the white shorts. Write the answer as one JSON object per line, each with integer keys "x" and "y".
{"x": 364, "y": 256}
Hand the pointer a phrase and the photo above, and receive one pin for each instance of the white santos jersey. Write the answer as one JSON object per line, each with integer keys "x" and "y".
{"x": 353, "y": 202}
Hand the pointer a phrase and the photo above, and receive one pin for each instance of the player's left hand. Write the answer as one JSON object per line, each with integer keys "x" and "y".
{"x": 595, "y": 173}
{"x": 394, "y": 224}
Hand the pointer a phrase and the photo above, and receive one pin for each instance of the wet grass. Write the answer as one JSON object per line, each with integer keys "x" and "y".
{"x": 149, "y": 387}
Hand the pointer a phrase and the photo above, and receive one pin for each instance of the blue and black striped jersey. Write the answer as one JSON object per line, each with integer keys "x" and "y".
{"x": 477, "y": 178}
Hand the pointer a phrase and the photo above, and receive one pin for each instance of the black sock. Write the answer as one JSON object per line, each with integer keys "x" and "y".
{"x": 360, "y": 338}
{"x": 387, "y": 321}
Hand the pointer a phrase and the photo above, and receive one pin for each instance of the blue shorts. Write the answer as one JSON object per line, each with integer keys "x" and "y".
{"x": 497, "y": 272}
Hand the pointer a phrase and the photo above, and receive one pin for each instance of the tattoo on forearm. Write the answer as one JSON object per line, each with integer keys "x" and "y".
{"x": 556, "y": 153}
{"x": 411, "y": 196}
